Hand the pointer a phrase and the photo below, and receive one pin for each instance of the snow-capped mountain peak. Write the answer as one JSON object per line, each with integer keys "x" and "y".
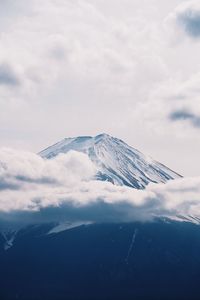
{"x": 116, "y": 161}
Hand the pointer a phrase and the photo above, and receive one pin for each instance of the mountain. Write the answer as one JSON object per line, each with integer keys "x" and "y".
{"x": 104, "y": 261}
{"x": 116, "y": 161}
{"x": 147, "y": 261}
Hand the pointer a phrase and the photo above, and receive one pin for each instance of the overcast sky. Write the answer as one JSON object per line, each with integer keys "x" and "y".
{"x": 130, "y": 68}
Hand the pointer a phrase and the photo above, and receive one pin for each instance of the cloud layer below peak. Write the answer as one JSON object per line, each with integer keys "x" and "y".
{"x": 64, "y": 189}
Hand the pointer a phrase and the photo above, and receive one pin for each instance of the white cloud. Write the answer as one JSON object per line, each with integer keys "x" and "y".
{"x": 33, "y": 190}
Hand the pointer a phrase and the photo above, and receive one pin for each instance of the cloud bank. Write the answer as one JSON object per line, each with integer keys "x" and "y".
{"x": 34, "y": 190}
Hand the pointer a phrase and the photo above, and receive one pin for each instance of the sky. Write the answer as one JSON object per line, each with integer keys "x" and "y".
{"x": 129, "y": 68}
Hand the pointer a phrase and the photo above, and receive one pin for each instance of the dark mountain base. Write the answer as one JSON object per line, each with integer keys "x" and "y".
{"x": 112, "y": 261}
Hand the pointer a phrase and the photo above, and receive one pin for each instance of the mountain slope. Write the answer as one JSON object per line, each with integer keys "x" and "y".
{"x": 147, "y": 261}
{"x": 116, "y": 161}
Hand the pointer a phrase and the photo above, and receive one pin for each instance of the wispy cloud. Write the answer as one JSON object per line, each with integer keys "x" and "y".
{"x": 8, "y": 76}
{"x": 189, "y": 19}
{"x": 184, "y": 115}
{"x": 186, "y": 19}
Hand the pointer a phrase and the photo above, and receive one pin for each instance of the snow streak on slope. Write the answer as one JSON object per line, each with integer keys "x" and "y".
{"x": 115, "y": 160}
{"x": 67, "y": 226}
{"x": 9, "y": 237}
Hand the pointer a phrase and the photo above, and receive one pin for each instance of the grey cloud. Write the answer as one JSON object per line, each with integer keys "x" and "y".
{"x": 190, "y": 21}
{"x": 8, "y": 76}
{"x": 4, "y": 185}
{"x": 183, "y": 115}
{"x": 58, "y": 52}
{"x": 43, "y": 180}
{"x": 94, "y": 212}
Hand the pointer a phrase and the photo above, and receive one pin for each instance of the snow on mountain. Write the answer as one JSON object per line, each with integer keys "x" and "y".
{"x": 9, "y": 237}
{"x": 116, "y": 161}
{"x": 67, "y": 226}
